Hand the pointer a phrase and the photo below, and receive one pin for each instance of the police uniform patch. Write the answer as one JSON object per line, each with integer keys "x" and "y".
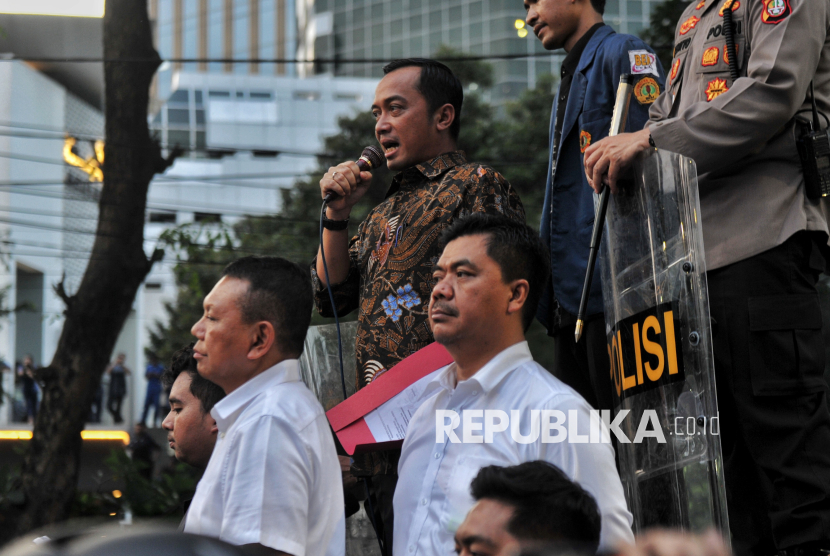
{"x": 700, "y": 4}
{"x": 584, "y": 141}
{"x": 689, "y": 24}
{"x": 775, "y": 11}
{"x": 715, "y": 88}
{"x": 710, "y": 56}
{"x": 726, "y": 54}
{"x": 675, "y": 67}
{"x": 642, "y": 61}
{"x": 647, "y": 90}
{"x": 734, "y": 3}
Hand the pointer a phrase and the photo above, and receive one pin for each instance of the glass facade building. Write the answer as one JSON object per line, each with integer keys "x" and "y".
{"x": 226, "y": 29}
{"x": 388, "y": 29}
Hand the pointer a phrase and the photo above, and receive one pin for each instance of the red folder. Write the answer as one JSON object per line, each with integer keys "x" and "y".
{"x": 346, "y": 418}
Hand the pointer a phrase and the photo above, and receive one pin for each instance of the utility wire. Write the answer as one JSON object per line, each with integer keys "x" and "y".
{"x": 145, "y": 59}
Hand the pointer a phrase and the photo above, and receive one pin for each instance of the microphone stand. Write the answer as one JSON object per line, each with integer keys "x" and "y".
{"x": 617, "y": 126}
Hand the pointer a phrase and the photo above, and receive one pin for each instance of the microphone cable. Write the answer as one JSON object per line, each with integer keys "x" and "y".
{"x": 371, "y": 510}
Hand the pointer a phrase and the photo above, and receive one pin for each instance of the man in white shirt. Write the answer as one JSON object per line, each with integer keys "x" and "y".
{"x": 488, "y": 282}
{"x": 273, "y": 480}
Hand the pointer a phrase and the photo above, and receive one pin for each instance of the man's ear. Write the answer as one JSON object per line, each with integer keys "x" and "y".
{"x": 262, "y": 339}
{"x": 519, "y": 290}
{"x": 214, "y": 428}
{"x": 445, "y": 116}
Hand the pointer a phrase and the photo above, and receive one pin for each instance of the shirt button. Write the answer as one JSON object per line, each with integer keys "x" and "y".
{"x": 437, "y": 456}
{"x": 424, "y": 502}
{"x": 411, "y": 549}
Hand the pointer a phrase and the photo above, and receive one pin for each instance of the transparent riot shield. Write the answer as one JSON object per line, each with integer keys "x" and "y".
{"x": 660, "y": 345}
{"x": 320, "y": 364}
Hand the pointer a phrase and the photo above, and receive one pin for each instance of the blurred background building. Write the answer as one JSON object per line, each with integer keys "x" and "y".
{"x": 366, "y": 29}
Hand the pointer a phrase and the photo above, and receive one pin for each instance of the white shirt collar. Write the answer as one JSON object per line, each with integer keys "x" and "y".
{"x": 491, "y": 374}
{"x": 230, "y": 407}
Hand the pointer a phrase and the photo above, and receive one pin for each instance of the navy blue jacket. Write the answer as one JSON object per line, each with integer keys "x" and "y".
{"x": 568, "y": 211}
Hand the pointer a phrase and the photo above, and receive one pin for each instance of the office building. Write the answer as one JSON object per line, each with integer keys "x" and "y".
{"x": 366, "y": 29}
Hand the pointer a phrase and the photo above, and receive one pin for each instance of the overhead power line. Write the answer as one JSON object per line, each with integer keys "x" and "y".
{"x": 144, "y": 59}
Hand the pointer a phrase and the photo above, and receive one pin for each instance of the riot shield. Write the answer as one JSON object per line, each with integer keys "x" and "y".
{"x": 320, "y": 364}
{"x": 660, "y": 345}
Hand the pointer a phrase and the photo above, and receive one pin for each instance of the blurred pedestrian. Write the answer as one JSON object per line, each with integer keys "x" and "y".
{"x": 118, "y": 387}
{"x": 143, "y": 450}
{"x": 151, "y": 399}
{"x": 26, "y": 372}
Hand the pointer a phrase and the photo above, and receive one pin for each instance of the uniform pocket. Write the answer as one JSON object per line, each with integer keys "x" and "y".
{"x": 786, "y": 345}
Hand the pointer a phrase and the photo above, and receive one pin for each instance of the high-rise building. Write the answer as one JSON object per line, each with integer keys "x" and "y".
{"x": 224, "y": 30}
{"x": 368, "y": 29}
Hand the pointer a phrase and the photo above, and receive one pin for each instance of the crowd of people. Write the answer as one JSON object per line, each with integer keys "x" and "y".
{"x": 447, "y": 257}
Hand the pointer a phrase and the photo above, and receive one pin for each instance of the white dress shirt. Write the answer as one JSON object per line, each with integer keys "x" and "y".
{"x": 433, "y": 492}
{"x": 273, "y": 477}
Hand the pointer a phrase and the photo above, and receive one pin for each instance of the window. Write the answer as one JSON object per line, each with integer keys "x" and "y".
{"x": 306, "y": 95}
{"x": 240, "y": 94}
{"x": 219, "y": 94}
{"x": 198, "y": 97}
{"x": 260, "y": 95}
{"x": 352, "y": 97}
{"x": 180, "y": 95}
{"x": 152, "y": 286}
{"x": 180, "y": 138}
{"x": 178, "y": 116}
{"x": 207, "y": 217}
{"x": 200, "y": 117}
{"x": 163, "y": 218}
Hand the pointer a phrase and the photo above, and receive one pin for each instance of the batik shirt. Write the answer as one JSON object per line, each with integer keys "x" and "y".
{"x": 391, "y": 258}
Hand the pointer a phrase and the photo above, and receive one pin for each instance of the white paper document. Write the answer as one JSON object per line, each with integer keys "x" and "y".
{"x": 389, "y": 421}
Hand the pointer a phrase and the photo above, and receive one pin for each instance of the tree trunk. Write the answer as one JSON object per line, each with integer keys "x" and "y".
{"x": 117, "y": 267}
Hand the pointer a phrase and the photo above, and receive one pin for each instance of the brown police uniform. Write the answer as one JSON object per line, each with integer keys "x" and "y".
{"x": 766, "y": 244}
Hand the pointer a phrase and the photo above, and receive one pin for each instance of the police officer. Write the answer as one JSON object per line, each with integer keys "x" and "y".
{"x": 766, "y": 243}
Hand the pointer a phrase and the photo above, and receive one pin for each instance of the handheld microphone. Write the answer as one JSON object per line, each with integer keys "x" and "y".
{"x": 370, "y": 158}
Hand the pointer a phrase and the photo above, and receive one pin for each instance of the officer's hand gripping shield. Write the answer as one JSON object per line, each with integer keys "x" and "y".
{"x": 660, "y": 345}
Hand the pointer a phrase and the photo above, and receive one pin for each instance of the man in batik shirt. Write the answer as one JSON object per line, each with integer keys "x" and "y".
{"x": 386, "y": 270}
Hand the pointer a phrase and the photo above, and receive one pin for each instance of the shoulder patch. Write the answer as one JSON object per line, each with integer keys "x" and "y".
{"x": 775, "y": 11}
{"x": 734, "y": 3}
{"x": 584, "y": 140}
{"x": 715, "y": 88}
{"x": 691, "y": 23}
{"x": 710, "y": 56}
{"x": 642, "y": 62}
{"x": 646, "y": 90}
{"x": 675, "y": 67}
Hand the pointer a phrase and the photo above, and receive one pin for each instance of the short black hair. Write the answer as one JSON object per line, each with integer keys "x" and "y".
{"x": 438, "y": 84}
{"x": 547, "y": 505}
{"x": 279, "y": 292}
{"x": 207, "y": 392}
{"x": 599, "y": 6}
{"x": 516, "y": 248}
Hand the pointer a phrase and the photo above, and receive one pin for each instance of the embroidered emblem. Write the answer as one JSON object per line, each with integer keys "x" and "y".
{"x": 584, "y": 141}
{"x": 642, "y": 61}
{"x": 726, "y": 54}
{"x": 647, "y": 90}
{"x": 675, "y": 67}
{"x": 689, "y": 24}
{"x": 775, "y": 11}
{"x": 715, "y": 88}
{"x": 700, "y": 4}
{"x": 710, "y": 56}
{"x": 734, "y": 3}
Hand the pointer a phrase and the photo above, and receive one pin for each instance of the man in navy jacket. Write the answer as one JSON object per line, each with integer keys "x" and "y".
{"x": 582, "y": 110}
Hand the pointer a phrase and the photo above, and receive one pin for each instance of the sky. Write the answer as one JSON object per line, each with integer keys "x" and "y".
{"x": 76, "y": 8}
